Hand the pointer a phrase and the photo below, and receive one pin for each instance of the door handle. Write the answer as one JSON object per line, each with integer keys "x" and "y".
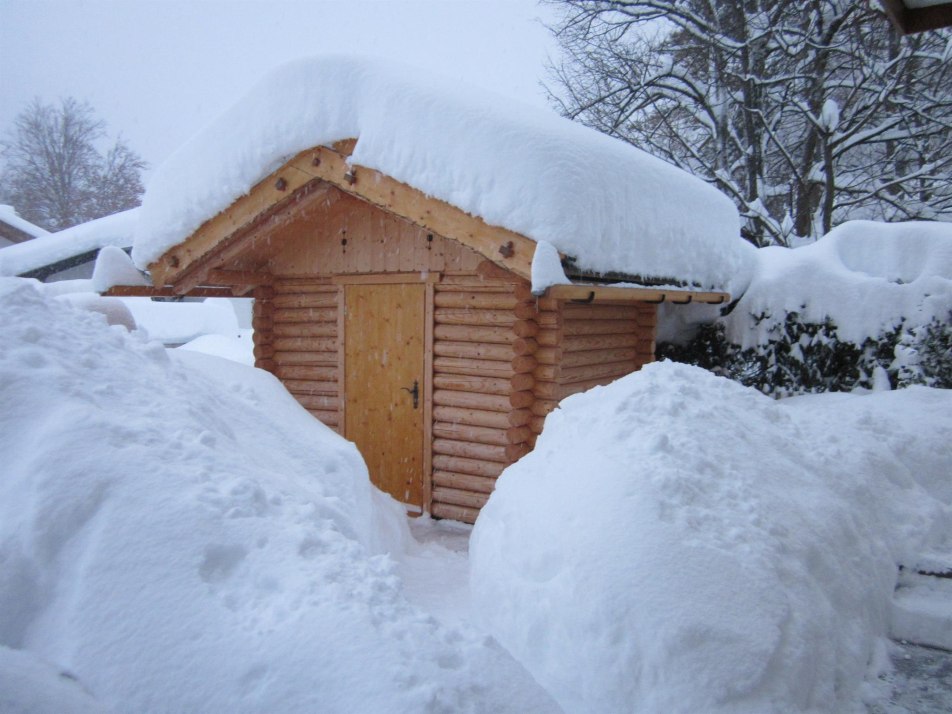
{"x": 415, "y": 393}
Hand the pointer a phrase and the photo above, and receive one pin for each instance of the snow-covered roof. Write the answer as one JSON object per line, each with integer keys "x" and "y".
{"x": 610, "y": 206}
{"x": 8, "y": 215}
{"x": 116, "y": 230}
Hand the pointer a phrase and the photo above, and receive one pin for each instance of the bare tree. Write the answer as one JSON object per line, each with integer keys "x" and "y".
{"x": 53, "y": 172}
{"x": 805, "y": 113}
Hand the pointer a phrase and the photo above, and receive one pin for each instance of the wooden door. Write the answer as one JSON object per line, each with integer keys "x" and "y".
{"x": 384, "y": 359}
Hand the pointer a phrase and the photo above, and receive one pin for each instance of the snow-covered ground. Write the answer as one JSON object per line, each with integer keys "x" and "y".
{"x": 176, "y": 534}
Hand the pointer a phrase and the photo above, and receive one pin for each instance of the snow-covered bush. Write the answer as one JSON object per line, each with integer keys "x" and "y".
{"x": 867, "y": 304}
{"x": 678, "y": 543}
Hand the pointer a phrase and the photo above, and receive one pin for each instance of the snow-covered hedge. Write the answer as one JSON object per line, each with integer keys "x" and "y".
{"x": 178, "y": 534}
{"x": 866, "y": 304}
{"x": 678, "y": 543}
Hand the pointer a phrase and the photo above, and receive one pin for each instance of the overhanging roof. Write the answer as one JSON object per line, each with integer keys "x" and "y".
{"x": 912, "y": 16}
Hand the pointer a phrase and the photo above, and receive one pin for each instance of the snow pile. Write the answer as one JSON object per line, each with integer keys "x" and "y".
{"x": 868, "y": 277}
{"x": 115, "y": 267}
{"x": 598, "y": 199}
{"x": 30, "y": 686}
{"x": 116, "y": 230}
{"x": 679, "y": 543}
{"x": 175, "y": 323}
{"x": 181, "y": 536}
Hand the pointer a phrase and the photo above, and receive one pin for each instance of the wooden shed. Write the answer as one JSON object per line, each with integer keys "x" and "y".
{"x": 408, "y": 325}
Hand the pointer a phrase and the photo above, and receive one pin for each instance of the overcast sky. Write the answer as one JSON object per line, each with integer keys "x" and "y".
{"x": 158, "y": 69}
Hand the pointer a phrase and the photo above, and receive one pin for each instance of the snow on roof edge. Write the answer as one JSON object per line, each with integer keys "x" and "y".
{"x": 116, "y": 229}
{"x": 610, "y": 205}
{"x": 9, "y": 215}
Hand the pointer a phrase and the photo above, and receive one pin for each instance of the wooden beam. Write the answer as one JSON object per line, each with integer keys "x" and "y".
{"x": 148, "y": 291}
{"x": 609, "y": 293}
{"x": 237, "y": 278}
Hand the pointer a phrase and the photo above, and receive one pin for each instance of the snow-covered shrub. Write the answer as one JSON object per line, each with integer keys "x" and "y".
{"x": 868, "y": 304}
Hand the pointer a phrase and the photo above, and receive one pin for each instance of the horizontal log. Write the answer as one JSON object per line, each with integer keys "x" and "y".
{"x": 311, "y": 372}
{"x": 262, "y": 322}
{"x": 595, "y": 371}
{"x": 548, "y": 355}
{"x": 548, "y": 390}
{"x": 473, "y": 434}
{"x": 263, "y": 293}
{"x": 477, "y": 367}
{"x": 464, "y": 482}
{"x": 268, "y": 365}
{"x": 322, "y": 359}
{"x": 470, "y": 450}
{"x": 597, "y": 342}
{"x": 549, "y": 338}
{"x": 471, "y": 333}
{"x": 525, "y": 346}
{"x": 307, "y": 387}
{"x": 521, "y": 382}
{"x": 319, "y": 402}
{"x": 305, "y": 344}
{"x": 500, "y": 318}
{"x": 473, "y": 467}
{"x": 572, "y": 328}
{"x": 542, "y": 407}
{"x": 328, "y": 418}
{"x": 471, "y": 417}
{"x": 577, "y": 359}
{"x": 471, "y": 282}
{"x": 519, "y": 417}
{"x": 536, "y": 423}
{"x": 307, "y": 314}
{"x": 458, "y": 497}
{"x": 263, "y": 350}
{"x": 525, "y": 328}
{"x": 454, "y": 513}
{"x": 471, "y": 400}
{"x": 523, "y": 364}
{"x": 290, "y": 287}
{"x": 307, "y": 300}
{"x": 472, "y": 350}
{"x": 518, "y": 434}
{"x": 576, "y": 387}
{"x": 514, "y": 452}
{"x": 469, "y": 383}
{"x": 521, "y": 400}
{"x": 547, "y": 372}
{"x": 479, "y": 300}
{"x": 545, "y": 317}
{"x": 574, "y": 311}
{"x": 305, "y": 329}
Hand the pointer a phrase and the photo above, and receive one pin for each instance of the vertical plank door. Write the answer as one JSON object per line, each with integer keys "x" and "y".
{"x": 384, "y": 356}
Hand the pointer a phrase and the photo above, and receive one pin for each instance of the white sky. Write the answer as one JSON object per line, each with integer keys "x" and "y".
{"x": 158, "y": 69}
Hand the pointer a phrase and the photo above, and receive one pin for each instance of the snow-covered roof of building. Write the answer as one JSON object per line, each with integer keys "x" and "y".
{"x": 608, "y": 205}
{"x": 22, "y": 229}
{"x": 52, "y": 248}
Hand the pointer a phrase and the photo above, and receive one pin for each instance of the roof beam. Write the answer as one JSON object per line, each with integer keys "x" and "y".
{"x": 611, "y": 293}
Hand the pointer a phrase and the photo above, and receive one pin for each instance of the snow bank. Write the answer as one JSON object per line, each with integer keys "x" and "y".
{"x": 30, "y": 686}
{"x": 679, "y": 543}
{"x": 175, "y": 323}
{"x": 181, "y": 536}
{"x": 612, "y": 206}
{"x": 866, "y": 276}
{"x": 116, "y": 230}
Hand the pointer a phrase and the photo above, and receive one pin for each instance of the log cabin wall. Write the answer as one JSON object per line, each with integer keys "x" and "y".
{"x": 305, "y": 344}
{"x": 601, "y": 342}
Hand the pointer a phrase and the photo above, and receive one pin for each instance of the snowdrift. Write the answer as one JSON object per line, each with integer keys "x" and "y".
{"x": 868, "y": 277}
{"x": 610, "y": 205}
{"x": 679, "y": 543}
{"x": 179, "y": 535}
